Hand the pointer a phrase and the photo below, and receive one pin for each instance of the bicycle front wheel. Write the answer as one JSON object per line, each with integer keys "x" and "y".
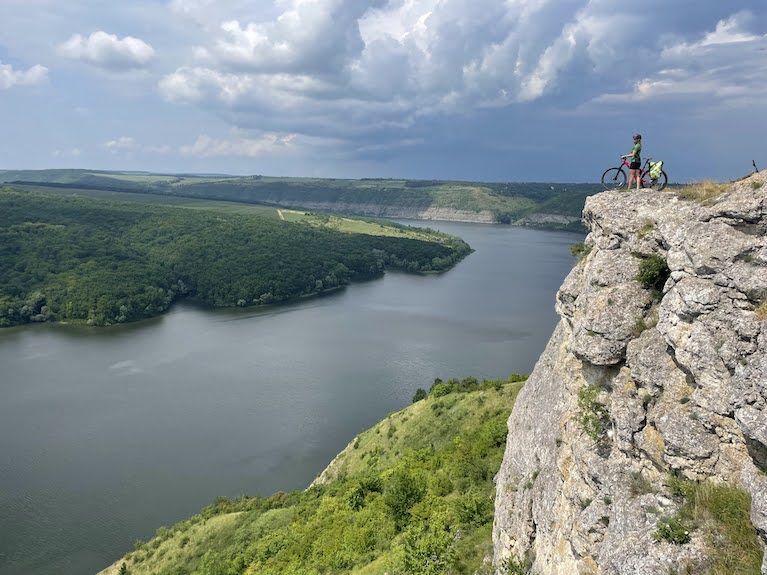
{"x": 614, "y": 179}
{"x": 660, "y": 182}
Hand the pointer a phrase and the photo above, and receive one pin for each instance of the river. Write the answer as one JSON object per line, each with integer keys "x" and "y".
{"x": 107, "y": 434}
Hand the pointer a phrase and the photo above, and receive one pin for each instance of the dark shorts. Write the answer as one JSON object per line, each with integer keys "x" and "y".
{"x": 635, "y": 165}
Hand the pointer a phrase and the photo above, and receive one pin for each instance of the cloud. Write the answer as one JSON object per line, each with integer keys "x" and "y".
{"x": 420, "y": 58}
{"x": 207, "y": 147}
{"x": 723, "y": 65}
{"x": 34, "y": 76}
{"x": 108, "y": 52}
{"x": 72, "y": 153}
{"x": 121, "y": 144}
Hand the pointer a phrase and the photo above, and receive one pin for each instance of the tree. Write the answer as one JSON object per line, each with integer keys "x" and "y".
{"x": 428, "y": 549}
{"x": 402, "y": 491}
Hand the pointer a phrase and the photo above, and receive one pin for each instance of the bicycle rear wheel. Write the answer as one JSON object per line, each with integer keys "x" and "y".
{"x": 614, "y": 179}
{"x": 660, "y": 182}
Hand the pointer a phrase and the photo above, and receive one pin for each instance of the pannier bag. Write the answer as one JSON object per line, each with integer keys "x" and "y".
{"x": 655, "y": 169}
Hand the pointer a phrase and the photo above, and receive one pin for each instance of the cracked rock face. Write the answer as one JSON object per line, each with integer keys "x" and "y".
{"x": 682, "y": 376}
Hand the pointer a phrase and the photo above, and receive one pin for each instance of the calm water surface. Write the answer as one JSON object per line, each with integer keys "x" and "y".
{"x": 108, "y": 434}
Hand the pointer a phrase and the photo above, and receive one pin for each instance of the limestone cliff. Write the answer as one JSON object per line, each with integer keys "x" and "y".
{"x": 377, "y": 210}
{"x": 635, "y": 387}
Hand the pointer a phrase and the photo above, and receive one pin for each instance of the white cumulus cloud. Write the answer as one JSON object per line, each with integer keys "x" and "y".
{"x": 107, "y": 51}
{"x": 207, "y": 147}
{"x": 122, "y": 143}
{"x": 726, "y": 64}
{"x": 33, "y": 76}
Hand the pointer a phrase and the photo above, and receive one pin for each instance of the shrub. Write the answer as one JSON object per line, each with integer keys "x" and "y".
{"x": 592, "y": 415}
{"x": 672, "y": 529}
{"x": 441, "y": 389}
{"x": 428, "y": 549}
{"x": 653, "y": 273}
{"x": 420, "y": 394}
{"x": 403, "y": 490}
{"x": 474, "y": 508}
{"x": 514, "y": 566}
{"x": 580, "y": 251}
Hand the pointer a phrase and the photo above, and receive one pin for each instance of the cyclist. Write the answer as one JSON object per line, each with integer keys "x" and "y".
{"x": 636, "y": 162}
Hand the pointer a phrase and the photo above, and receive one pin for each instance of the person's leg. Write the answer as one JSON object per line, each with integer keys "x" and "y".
{"x": 639, "y": 179}
{"x": 632, "y": 177}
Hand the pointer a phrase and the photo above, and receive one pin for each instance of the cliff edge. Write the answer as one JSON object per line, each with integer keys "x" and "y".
{"x": 645, "y": 393}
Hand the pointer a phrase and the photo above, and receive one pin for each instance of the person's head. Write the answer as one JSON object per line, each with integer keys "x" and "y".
{"x": 637, "y": 137}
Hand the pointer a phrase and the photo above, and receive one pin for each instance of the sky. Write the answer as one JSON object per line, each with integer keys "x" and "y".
{"x": 478, "y": 90}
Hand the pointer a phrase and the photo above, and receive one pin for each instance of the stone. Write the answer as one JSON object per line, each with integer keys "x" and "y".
{"x": 683, "y": 380}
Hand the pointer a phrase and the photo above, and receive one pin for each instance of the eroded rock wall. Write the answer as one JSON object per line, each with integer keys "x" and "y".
{"x": 682, "y": 376}
{"x": 387, "y": 211}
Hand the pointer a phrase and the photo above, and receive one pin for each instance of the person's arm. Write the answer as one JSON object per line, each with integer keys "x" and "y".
{"x": 631, "y": 155}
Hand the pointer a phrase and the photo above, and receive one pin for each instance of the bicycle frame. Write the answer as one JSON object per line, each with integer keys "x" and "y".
{"x": 643, "y": 171}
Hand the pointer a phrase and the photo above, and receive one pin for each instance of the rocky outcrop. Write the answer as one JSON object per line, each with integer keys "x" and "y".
{"x": 392, "y": 211}
{"x": 635, "y": 386}
{"x": 544, "y": 219}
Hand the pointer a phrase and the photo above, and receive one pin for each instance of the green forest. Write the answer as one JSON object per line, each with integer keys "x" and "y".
{"x": 77, "y": 259}
{"x": 414, "y": 495}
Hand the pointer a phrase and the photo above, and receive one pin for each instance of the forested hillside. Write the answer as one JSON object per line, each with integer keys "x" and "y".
{"x": 494, "y": 202}
{"x": 412, "y": 495}
{"x": 74, "y": 259}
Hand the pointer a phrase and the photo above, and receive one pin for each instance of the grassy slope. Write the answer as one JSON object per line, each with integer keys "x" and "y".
{"x": 451, "y": 446}
{"x": 502, "y": 199}
{"x": 369, "y": 227}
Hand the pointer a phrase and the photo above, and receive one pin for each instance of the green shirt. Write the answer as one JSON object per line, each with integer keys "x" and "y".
{"x": 636, "y": 151}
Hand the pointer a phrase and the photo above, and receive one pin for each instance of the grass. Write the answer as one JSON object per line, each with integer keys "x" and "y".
{"x": 425, "y": 424}
{"x": 646, "y": 228}
{"x": 761, "y": 311}
{"x": 734, "y": 543}
{"x": 724, "y": 512}
{"x": 702, "y": 192}
{"x": 360, "y": 226}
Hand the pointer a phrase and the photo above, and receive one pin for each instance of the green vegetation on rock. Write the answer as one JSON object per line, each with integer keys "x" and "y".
{"x": 722, "y": 513}
{"x": 412, "y": 495}
{"x": 653, "y": 273}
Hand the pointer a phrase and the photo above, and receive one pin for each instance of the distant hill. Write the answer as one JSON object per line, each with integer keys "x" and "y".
{"x": 525, "y": 203}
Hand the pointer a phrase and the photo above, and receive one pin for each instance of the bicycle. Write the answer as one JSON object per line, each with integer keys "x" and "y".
{"x": 615, "y": 178}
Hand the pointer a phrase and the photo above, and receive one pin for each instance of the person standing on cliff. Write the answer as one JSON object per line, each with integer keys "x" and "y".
{"x": 636, "y": 162}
